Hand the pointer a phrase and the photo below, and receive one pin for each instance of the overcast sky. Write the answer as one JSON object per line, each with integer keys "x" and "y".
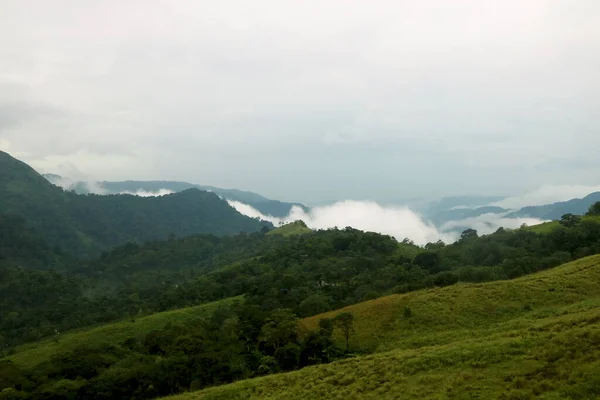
{"x": 306, "y": 100}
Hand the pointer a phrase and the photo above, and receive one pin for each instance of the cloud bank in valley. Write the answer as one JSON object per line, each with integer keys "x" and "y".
{"x": 144, "y": 193}
{"x": 96, "y": 187}
{"x": 397, "y": 221}
{"x": 488, "y": 223}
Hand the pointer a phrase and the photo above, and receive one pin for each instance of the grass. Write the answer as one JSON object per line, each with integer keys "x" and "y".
{"x": 291, "y": 229}
{"x": 30, "y": 355}
{"x": 547, "y": 227}
{"x": 534, "y": 337}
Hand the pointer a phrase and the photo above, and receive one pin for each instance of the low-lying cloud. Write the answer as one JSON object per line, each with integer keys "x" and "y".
{"x": 400, "y": 222}
{"x": 488, "y": 223}
{"x": 397, "y": 221}
{"x": 144, "y": 193}
{"x": 96, "y": 187}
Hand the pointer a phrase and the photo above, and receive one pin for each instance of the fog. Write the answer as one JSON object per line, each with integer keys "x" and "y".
{"x": 398, "y": 221}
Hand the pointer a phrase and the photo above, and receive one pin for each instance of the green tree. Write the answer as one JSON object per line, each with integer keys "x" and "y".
{"x": 594, "y": 209}
{"x": 468, "y": 234}
{"x": 280, "y": 328}
{"x": 133, "y": 306}
{"x": 569, "y": 220}
{"x": 345, "y": 321}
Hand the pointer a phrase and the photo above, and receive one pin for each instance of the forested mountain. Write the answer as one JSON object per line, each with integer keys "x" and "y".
{"x": 266, "y": 206}
{"x": 88, "y": 224}
{"x": 266, "y": 282}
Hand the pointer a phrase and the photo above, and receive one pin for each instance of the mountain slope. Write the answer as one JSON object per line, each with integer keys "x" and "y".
{"x": 556, "y": 210}
{"x": 85, "y": 225}
{"x": 266, "y": 206}
{"x": 534, "y": 336}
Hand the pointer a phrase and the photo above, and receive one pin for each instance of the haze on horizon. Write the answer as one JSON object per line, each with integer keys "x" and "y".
{"x": 307, "y": 101}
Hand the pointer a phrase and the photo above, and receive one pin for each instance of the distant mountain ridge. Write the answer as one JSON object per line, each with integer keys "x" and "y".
{"x": 89, "y": 224}
{"x": 266, "y": 206}
{"x": 557, "y": 210}
{"x": 452, "y": 209}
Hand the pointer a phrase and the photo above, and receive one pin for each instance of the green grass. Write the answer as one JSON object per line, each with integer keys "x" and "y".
{"x": 547, "y": 227}
{"x": 291, "y": 229}
{"x": 30, "y": 355}
{"x": 533, "y": 337}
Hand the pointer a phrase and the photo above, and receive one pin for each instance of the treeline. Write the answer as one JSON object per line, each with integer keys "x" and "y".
{"x": 85, "y": 225}
{"x": 44, "y": 291}
{"x": 239, "y": 342}
{"x": 308, "y": 274}
{"x": 296, "y": 277}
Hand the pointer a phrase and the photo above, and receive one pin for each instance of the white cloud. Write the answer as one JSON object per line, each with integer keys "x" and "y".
{"x": 546, "y": 195}
{"x": 496, "y": 95}
{"x": 488, "y": 223}
{"x": 399, "y": 222}
{"x": 144, "y": 193}
{"x": 97, "y": 188}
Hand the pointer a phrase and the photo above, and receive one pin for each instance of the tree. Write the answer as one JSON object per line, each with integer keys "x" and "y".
{"x": 345, "y": 321}
{"x": 468, "y": 234}
{"x": 133, "y": 306}
{"x": 569, "y": 220}
{"x": 594, "y": 209}
{"x": 428, "y": 260}
{"x": 280, "y": 328}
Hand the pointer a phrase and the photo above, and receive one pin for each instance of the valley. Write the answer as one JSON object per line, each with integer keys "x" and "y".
{"x": 180, "y": 306}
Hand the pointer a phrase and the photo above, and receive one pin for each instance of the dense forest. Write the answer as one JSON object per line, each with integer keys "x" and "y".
{"x": 266, "y": 206}
{"x": 69, "y": 262}
{"x": 89, "y": 224}
{"x": 280, "y": 279}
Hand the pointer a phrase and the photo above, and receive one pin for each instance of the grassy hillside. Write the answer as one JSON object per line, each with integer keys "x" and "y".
{"x": 30, "y": 355}
{"x": 291, "y": 229}
{"x": 547, "y": 227}
{"x": 534, "y": 336}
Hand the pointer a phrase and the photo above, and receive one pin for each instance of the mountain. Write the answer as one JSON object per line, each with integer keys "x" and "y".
{"x": 265, "y": 206}
{"x": 156, "y": 319}
{"x": 88, "y": 224}
{"x": 556, "y": 210}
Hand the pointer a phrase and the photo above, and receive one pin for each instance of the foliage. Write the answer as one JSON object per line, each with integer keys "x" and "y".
{"x": 594, "y": 209}
{"x": 291, "y": 229}
{"x": 569, "y": 220}
{"x": 345, "y": 321}
{"x": 503, "y": 352}
{"x": 88, "y": 224}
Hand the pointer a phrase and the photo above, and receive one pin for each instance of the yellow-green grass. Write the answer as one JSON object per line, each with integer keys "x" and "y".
{"x": 547, "y": 227}
{"x": 291, "y": 229}
{"x": 30, "y": 355}
{"x": 443, "y": 314}
{"x": 533, "y": 336}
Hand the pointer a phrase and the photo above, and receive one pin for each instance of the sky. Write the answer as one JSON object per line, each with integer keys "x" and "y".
{"x": 311, "y": 101}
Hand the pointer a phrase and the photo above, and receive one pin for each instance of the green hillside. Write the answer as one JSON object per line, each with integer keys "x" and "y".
{"x": 291, "y": 229}
{"x": 548, "y": 227}
{"x": 266, "y": 206}
{"x": 536, "y": 336}
{"x": 30, "y": 355}
{"x": 86, "y": 225}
